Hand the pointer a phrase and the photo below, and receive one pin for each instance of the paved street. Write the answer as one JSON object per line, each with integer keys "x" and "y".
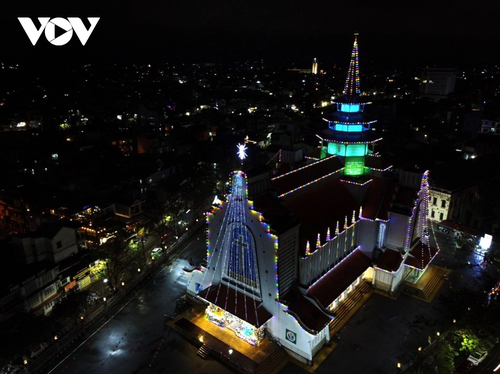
{"x": 133, "y": 338}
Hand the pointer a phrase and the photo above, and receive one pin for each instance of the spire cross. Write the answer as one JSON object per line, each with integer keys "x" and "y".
{"x": 351, "y": 87}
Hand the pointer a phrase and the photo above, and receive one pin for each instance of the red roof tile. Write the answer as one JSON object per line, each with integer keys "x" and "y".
{"x": 390, "y": 260}
{"x": 296, "y": 179}
{"x": 305, "y": 312}
{"x": 321, "y": 207}
{"x": 333, "y": 283}
{"x": 237, "y": 303}
{"x": 378, "y": 198}
{"x": 316, "y": 153}
{"x": 376, "y": 162}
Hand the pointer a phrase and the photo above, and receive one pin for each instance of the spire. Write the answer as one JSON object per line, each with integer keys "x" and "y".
{"x": 351, "y": 87}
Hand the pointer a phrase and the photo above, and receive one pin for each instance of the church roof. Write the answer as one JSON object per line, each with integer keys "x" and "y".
{"x": 421, "y": 255}
{"x": 316, "y": 153}
{"x": 390, "y": 260}
{"x": 237, "y": 303}
{"x": 287, "y": 182}
{"x": 305, "y": 312}
{"x": 375, "y": 162}
{"x": 326, "y": 203}
{"x": 343, "y": 137}
{"x": 274, "y": 213}
{"x": 341, "y": 117}
{"x": 333, "y": 283}
{"x": 377, "y": 201}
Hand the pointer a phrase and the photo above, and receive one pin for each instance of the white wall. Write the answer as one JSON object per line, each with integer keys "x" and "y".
{"x": 383, "y": 280}
{"x": 67, "y": 237}
{"x": 264, "y": 247}
{"x": 324, "y": 258}
{"x": 367, "y": 236}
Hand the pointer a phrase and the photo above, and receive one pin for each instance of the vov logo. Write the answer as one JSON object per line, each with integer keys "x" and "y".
{"x": 67, "y": 25}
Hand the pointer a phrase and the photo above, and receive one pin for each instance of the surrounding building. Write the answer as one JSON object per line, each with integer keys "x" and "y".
{"x": 286, "y": 248}
{"x": 42, "y": 263}
{"x": 437, "y": 83}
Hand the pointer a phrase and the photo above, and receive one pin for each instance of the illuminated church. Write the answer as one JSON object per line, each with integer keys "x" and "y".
{"x": 285, "y": 249}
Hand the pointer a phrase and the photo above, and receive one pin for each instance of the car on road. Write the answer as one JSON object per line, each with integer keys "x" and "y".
{"x": 464, "y": 367}
{"x": 156, "y": 252}
{"x": 477, "y": 357}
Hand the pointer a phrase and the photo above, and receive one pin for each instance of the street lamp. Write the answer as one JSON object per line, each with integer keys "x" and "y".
{"x": 105, "y": 280}
{"x": 438, "y": 333}
{"x": 138, "y": 270}
{"x": 123, "y": 284}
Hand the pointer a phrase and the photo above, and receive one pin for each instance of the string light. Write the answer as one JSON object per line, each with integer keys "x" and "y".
{"x": 308, "y": 249}
{"x": 351, "y": 86}
{"x": 347, "y": 123}
{"x": 312, "y": 158}
{"x": 377, "y": 169}
{"x": 357, "y": 183}
{"x": 311, "y": 182}
{"x": 350, "y": 142}
{"x": 302, "y": 168}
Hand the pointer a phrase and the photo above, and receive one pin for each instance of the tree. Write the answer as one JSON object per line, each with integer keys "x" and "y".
{"x": 71, "y": 307}
{"x": 445, "y": 357}
{"x": 118, "y": 257}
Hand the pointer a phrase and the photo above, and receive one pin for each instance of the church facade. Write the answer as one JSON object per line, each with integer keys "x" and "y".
{"x": 284, "y": 249}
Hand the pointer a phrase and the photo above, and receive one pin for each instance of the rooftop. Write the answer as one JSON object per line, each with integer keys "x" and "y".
{"x": 304, "y": 311}
{"x": 333, "y": 283}
{"x": 237, "y": 303}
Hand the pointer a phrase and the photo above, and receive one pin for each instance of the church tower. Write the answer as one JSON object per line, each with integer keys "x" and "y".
{"x": 314, "y": 69}
{"x": 348, "y": 135}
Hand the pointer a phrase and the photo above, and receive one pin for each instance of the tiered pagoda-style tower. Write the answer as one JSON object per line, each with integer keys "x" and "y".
{"x": 348, "y": 135}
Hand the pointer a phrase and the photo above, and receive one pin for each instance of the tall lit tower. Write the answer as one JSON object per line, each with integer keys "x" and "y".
{"x": 348, "y": 135}
{"x": 314, "y": 69}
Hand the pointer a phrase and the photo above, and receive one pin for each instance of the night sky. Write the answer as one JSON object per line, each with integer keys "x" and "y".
{"x": 399, "y": 33}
